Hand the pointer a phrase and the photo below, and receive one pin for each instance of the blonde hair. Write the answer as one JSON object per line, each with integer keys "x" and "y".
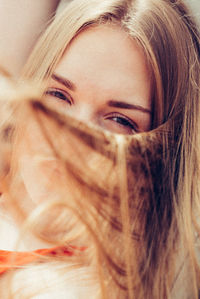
{"x": 155, "y": 197}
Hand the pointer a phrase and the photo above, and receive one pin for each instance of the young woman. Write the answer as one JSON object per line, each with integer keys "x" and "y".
{"x": 127, "y": 205}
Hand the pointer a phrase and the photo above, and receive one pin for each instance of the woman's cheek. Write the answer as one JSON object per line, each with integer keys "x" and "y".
{"x": 46, "y": 163}
{"x": 37, "y": 166}
{"x": 40, "y": 177}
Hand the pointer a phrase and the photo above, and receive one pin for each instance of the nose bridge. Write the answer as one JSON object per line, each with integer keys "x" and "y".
{"x": 87, "y": 104}
{"x": 84, "y": 111}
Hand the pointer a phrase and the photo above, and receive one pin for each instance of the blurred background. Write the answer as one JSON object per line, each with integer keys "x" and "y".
{"x": 195, "y": 5}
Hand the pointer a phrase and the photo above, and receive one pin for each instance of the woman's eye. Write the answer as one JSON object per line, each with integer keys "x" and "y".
{"x": 59, "y": 94}
{"x": 124, "y": 124}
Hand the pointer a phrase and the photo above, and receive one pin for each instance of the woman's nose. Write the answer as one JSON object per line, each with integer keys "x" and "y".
{"x": 85, "y": 113}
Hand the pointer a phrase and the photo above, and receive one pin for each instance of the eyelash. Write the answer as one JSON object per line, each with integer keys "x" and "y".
{"x": 124, "y": 121}
{"x": 61, "y": 95}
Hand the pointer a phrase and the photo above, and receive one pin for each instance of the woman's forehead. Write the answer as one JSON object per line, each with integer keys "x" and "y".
{"x": 105, "y": 56}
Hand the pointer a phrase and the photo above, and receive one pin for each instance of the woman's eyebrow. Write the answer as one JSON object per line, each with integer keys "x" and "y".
{"x": 117, "y": 104}
{"x": 125, "y": 105}
{"x": 64, "y": 81}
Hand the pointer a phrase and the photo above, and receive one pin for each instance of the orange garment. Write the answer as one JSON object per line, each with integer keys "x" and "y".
{"x": 10, "y": 259}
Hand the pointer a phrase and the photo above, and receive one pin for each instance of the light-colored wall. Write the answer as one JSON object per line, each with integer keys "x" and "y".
{"x": 195, "y": 5}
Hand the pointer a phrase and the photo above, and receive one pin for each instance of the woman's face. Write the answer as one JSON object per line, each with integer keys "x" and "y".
{"x": 103, "y": 79}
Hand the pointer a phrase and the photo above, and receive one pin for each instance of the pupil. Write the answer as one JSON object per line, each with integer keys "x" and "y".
{"x": 123, "y": 121}
{"x": 60, "y": 95}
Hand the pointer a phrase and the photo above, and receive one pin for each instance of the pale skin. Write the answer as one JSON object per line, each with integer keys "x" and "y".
{"x": 21, "y": 23}
{"x": 102, "y": 79}
{"x": 109, "y": 86}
